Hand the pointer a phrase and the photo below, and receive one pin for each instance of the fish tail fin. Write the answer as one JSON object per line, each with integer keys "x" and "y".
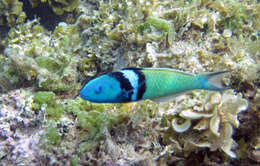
{"x": 212, "y": 81}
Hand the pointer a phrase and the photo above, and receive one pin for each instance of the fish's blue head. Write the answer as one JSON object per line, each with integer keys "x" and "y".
{"x": 103, "y": 89}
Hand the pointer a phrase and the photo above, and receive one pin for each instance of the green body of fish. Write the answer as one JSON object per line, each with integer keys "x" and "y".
{"x": 165, "y": 82}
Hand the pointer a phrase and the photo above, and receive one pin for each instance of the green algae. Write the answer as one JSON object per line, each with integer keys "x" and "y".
{"x": 96, "y": 122}
{"x": 47, "y": 100}
{"x": 74, "y": 161}
{"x": 234, "y": 15}
{"x": 44, "y": 98}
{"x": 48, "y": 63}
{"x": 59, "y": 7}
{"x": 48, "y": 67}
{"x": 12, "y": 11}
{"x": 53, "y": 136}
{"x": 141, "y": 28}
{"x": 95, "y": 118}
{"x": 87, "y": 146}
{"x": 160, "y": 24}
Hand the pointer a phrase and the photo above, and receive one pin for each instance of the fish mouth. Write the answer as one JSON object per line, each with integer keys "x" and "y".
{"x": 85, "y": 97}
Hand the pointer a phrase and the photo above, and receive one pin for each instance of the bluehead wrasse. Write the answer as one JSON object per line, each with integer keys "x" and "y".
{"x": 157, "y": 84}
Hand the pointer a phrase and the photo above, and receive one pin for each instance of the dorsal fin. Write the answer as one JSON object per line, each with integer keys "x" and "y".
{"x": 159, "y": 68}
{"x": 132, "y": 68}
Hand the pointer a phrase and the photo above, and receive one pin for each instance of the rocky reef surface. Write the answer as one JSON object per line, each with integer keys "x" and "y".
{"x": 50, "y": 48}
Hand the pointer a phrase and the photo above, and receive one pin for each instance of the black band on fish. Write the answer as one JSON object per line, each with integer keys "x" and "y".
{"x": 125, "y": 85}
{"x": 141, "y": 84}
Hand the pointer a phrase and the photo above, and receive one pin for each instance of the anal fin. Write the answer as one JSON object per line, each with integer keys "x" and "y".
{"x": 168, "y": 98}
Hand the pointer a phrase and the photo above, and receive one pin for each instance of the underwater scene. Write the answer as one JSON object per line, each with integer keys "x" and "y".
{"x": 129, "y": 82}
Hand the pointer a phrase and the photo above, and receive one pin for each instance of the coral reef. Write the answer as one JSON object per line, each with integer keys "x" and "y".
{"x": 20, "y": 128}
{"x": 12, "y": 12}
{"x": 43, "y": 122}
{"x": 35, "y": 57}
{"x": 58, "y": 6}
{"x": 214, "y": 117}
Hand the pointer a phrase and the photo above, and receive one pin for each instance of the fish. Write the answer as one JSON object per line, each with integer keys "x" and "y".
{"x": 156, "y": 84}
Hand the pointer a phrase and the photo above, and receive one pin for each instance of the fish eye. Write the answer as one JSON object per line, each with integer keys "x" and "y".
{"x": 98, "y": 89}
